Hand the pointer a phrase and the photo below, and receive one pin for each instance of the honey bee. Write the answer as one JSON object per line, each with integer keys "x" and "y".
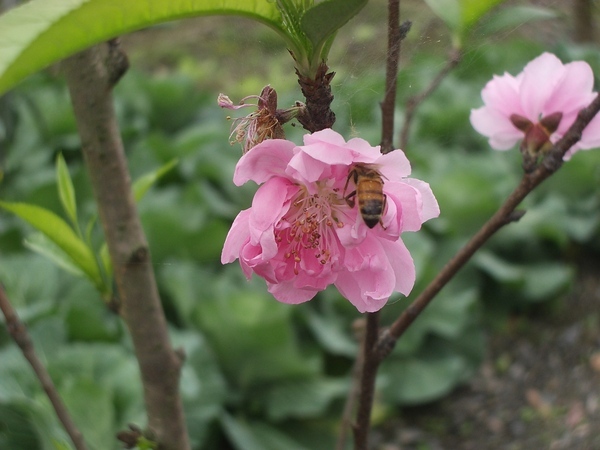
{"x": 369, "y": 192}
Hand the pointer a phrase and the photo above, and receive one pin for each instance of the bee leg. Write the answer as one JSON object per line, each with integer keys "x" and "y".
{"x": 350, "y": 198}
{"x": 383, "y": 211}
{"x": 347, "y": 181}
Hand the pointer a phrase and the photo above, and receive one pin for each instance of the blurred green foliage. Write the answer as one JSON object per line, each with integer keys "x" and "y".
{"x": 260, "y": 374}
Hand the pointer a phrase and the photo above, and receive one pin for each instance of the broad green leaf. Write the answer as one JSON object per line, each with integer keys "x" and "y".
{"x": 90, "y": 404}
{"x": 42, "y": 32}
{"x": 473, "y": 10}
{"x": 145, "y": 182}
{"x": 332, "y": 333}
{"x": 325, "y": 18}
{"x": 59, "y": 232}
{"x": 16, "y": 427}
{"x": 419, "y": 380}
{"x": 447, "y": 10}
{"x": 513, "y": 17}
{"x": 239, "y": 433}
{"x": 461, "y": 15}
{"x": 66, "y": 191}
{"x": 546, "y": 280}
{"x": 273, "y": 439}
{"x": 245, "y": 435}
{"x": 40, "y": 243}
{"x": 303, "y": 398}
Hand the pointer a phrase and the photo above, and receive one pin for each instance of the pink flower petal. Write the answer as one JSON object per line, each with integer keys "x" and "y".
{"x": 286, "y": 293}
{"x": 590, "y": 138}
{"x": 393, "y": 165}
{"x": 306, "y": 169}
{"x": 501, "y": 94}
{"x": 429, "y": 207}
{"x": 573, "y": 92}
{"x": 238, "y": 235}
{"x": 268, "y": 159}
{"x": 268, "y": 206}
{"x": 496, "y": 126}
{"x": 327, "y": 136}
{"x": 402, "y": 265}
{"x": 368, "y": 280}
{"x": 351, "y": 287}
{"x": 540, "y": 78}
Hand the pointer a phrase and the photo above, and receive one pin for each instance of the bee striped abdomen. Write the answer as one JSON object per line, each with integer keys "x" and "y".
{"x": 370, "y": 201}
{"x": 369, "y": 192}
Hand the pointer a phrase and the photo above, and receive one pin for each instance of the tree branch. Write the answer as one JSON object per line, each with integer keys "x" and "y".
{"x": 395, "y": 36}
{"x": 17, "y": 330}
{"x": 413, "y": 102}
{"x": 506, "y": 214}
{"x": 367, "y": 383}
{"x": 347, "y": 421}
{"x": 369, "y": 358}
{"x": 90, "y": 83}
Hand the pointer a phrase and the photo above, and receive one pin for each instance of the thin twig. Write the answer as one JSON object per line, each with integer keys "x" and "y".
{"x": 359, "y": 327}
{"x": 90, "y": 83}
{"x": 18, "y": 331}
{"x": 368, "y": 359}
{"x": 391, "y": 73}
{"x": 413, "y": 102}
{"x": 367, "y": 385}
{"x": 506, "y": 214}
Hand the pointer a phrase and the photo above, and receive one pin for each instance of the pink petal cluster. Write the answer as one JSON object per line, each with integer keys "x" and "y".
{"x": 301, "y": 235}
{"x": 544, "y": 88}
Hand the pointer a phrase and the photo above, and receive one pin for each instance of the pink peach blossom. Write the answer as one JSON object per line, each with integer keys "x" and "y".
{"x": 301, "y": 235}
{"x": 538, "y": 105}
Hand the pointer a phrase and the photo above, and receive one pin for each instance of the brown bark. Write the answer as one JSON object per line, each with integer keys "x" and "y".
{"x": 90, "y": 78}
{"x": 583, "y": 21}
{"x": 318, "y": 114}
{"x": 20, "y": 335}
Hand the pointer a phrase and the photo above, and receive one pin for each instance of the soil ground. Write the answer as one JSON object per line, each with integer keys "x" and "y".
{"x": 539, "y": 387}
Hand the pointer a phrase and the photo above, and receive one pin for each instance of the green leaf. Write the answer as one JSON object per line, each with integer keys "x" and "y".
{"x": 59, "y": 232}
{"x": 447, "y": 10}
{"x": 16, "y": 428}
{"x": 461, "y": 15}
{"x": 66, "y": 191}
{"x": 41, "y": 244}
{"x": 546, "y": 280}
{"x": 332, "y": 333}
{"x": 239, "y": 433}
{"x": 515, "y": 16}
{"x": 145, "y": 182}
{"x": 42, "y": 32}
{"x": 256, "y": 435}
{"x": 273, "y": 439}
{"x": 90, "y": 405}
{"x": 419, "y": 380}
{"x": 303, "y": 398}
{"x": 325, "y": 18}
{"x": 473, "y": 10}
